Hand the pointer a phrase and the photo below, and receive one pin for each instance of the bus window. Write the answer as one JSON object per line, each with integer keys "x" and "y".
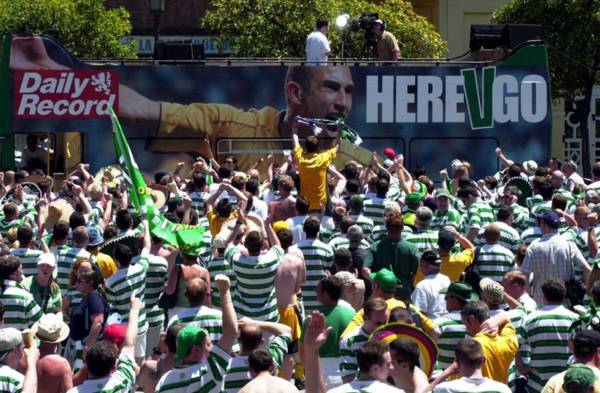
{"x": 34, "y": 151}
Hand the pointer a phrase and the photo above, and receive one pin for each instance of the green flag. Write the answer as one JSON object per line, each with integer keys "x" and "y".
{"x": 177, "y": 235}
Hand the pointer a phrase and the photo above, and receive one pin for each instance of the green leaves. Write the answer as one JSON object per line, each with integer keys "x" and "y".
{"x": 572, "y": 32}
{"x": 278, "y": 28}
{"x": 85, "y": 27}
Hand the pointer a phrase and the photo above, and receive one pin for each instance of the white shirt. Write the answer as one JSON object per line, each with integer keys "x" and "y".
{"x": 317, "y": 48}
{"x": 366, "y": 386}
{"x": 427, "y": 295}
{"x": 473, "y": 385}
{"x": 260, "y": 208}
{"x": 296, "y": 225}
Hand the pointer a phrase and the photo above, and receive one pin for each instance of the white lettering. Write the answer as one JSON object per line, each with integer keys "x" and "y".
{"x": 505, "y": 99}
{"x": 453, "y": 98}
{"x": 80, "y": 86}
{"x": 35, "y": 80}
{"x": 375, "y": 97}
{"x": 28, "y": 103}
{"x": 429, "y": 90}
{"x": 403, "y": 98}
{"x": 529, "y": 85}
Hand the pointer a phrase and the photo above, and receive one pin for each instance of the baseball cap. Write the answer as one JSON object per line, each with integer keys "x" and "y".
{"x": 378, "y": 21}
{"x": 442, "y": 193}
{"x": 219, "y": 241}
{"x": 186, "y": 339}
{"x": 551, "y": 219}
{"x": 491, "y": 291}
{"x": 47, "y": 259}
{"x": 355, "y": 233}
{"x": 385, "y": 279}
{"x": 461, "y": 290}
{"x": 431, "y": 257}
{"x": 578, "y": 379}
{"x": 115, "y": 333}
{"x": 10, "y": 338}
{"x": 95, "y": 236}
{"x": 279, "y": 225}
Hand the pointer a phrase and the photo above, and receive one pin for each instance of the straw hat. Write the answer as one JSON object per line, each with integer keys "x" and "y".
{"x": 51, "y": 329}
{"x": 58, "y": 210}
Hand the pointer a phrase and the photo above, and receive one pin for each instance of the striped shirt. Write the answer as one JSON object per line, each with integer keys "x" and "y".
{"x": 449, "y": 217}
{"x": 11, "y": 381}
{"x": 349, "y": 347}
{"x": 28, "y": 258}
{"x": 205, "y": 377}
{"x": 203, "y": 317}
{"x": 365, "y": 223}
{"x": 238, "y": 372}
{"x": 534, "y": 201}
{"x": 520, "y": 217}
{"x": 478, "y": 214}
{"x": 343, "y": 242}
{"x": 256, "y": 283}
{"x": 198, "y": 199}
{"x": 318, "y": 257}
{"x": 218, "y": 265}
{"x": 546, "y": 331}
{"x": 20, "y": 309}
{"x": 373, "y": 208}
{"x": 120, "y": 381}
{"x": 65, "y": 261}
{"x": 424, "y": 239}
{"x": 122, "y": 284}
{"x": 156, "y": 276}
{"x": 6, "y": 226}
{"x": 509, "y": 236}
{"x": 494, "y": 261}
{"x": 452, "y": 331}
{"x": 530, "y": 234}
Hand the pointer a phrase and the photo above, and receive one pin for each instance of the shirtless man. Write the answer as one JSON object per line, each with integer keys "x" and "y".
{"x": 152, "y": 370}
{"x": 406, "y": 372}
{"x": 285, "y": 206}
{"x": 261, "y": 367}
{"x": 54, "y": 371}
{"x": 291, "y": 274}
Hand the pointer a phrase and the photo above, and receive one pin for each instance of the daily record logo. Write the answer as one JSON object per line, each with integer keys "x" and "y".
{"x": 488, "y": 98}
{"x": 65, "y": 94}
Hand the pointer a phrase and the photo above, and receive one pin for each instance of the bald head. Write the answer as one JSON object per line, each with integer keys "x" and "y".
{"x": 196, "y": 291}
{"x": 492, "y": 233}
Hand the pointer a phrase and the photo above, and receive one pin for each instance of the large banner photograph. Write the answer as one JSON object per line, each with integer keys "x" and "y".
{"x": 430, "y": 112}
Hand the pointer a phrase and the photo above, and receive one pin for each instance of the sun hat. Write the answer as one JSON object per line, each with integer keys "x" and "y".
{"x": 51, "y": 329}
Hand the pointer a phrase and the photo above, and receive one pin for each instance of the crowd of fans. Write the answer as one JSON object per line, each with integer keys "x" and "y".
{"x": 297, "y": 273}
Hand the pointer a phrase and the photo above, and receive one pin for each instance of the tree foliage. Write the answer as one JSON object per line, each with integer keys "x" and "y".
{"x": 85, "y": 27}
{"x": 278, "y": 28}
{"x": 572, "y": 32}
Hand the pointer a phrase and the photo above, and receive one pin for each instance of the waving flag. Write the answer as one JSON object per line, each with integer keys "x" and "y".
{"x": 178, "y": 235}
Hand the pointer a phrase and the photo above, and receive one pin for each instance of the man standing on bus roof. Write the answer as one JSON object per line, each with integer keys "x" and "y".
{"x": 317, "y": 44}
{"x": 314, "y": 92}
{"x": 387, "y": 44}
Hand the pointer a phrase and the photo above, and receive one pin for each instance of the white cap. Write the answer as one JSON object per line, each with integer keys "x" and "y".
{"x": 47, "y": 259}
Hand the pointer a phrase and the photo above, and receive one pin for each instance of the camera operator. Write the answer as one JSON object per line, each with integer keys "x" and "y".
{"x": 387, "y": 44}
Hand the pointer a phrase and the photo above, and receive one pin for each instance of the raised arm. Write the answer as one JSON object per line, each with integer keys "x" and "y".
{"x": 132, "y": 327}
{"x": 592, "y": 239}
{"x": 230, "y": 323}
{"x": 271, "y": 235}
{"x": 147, "y": 239}
{"x": 315, "y": 336}
{"x": 210, "y": 202}
{"x": 274, "y": 328}
{"x": 30, "y": 382}
{"x": 503, "y": 158}
{"x": 462, "y": 240}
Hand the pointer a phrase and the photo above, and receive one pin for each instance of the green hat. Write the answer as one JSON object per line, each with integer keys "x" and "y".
{"x": 417, "y": 196}
{"x": 186, "y": 339}
{"x": 578, "y": 379}
{"x": 385, "y": 279}
{"x": 461, "y": 290}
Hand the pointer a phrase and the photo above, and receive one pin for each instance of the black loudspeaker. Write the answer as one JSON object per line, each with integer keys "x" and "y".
{"x": 507, "y": 36}
{"x": 486, "y": 37}
{"x": 515, "y": 35}
{"x": 179, "y": 51}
